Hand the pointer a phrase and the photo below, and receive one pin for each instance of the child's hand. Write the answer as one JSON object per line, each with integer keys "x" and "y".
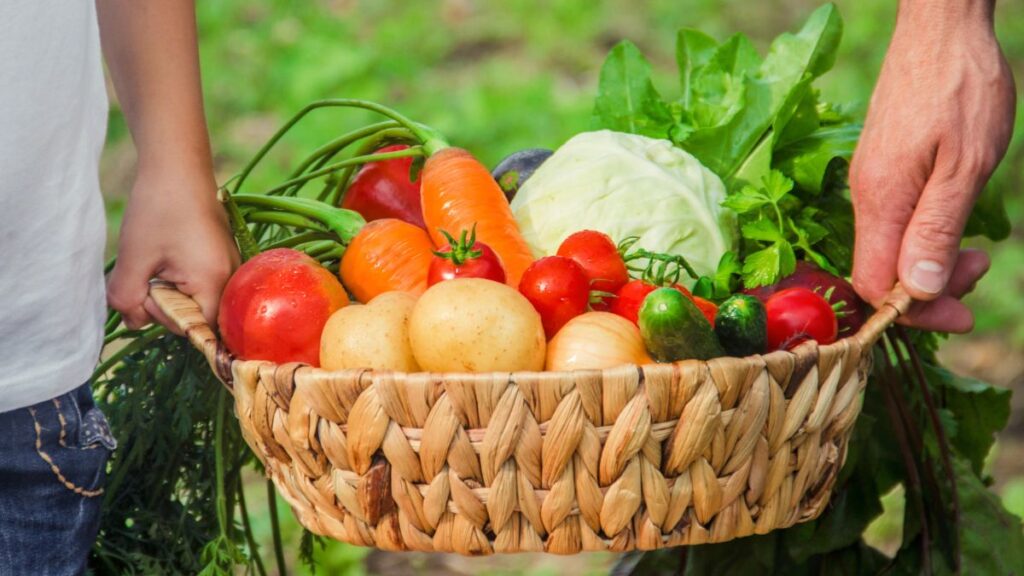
{"x": 176, "y": 230}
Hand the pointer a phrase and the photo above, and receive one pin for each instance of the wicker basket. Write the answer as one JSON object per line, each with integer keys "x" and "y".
{"x": 620, "y": 459}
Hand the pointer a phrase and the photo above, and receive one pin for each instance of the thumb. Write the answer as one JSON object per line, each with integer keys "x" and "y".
{"x": 931, "y": 245}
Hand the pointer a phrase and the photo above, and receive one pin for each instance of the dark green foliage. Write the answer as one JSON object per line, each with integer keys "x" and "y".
{"x": 159, "y": 509}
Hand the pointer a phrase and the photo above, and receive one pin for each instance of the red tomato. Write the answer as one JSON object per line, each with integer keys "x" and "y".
{"x": 465, "y": 259}
{"x": 599, "y": 257}
{"x": 275, "y": 306}
{"x": 558, "y": 288}
{"x": 628, "y": 299}
{"x": 796, "y": 315}
{"x": 383, "y": 190}
{"x": 707, "y": 307}
{"x": 853, "y": 311}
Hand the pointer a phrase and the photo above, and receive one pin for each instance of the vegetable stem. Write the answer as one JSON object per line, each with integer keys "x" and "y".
{"x": 147, "y": 336}
{"x": 335, "y": 146}
{"x": 431, "y": 139}
{"x": 414, "y": 151}
{"x": 285, "y": 219}
{"x": 218, "y": 459}
{"x": 298, "y": 240}
{"x": 275, "y": 526}
{"x": 344, "y": 223}
{"x": 940, "y": 433}
{"x": 247, "y": 527}
{"x": 247, "y": 246}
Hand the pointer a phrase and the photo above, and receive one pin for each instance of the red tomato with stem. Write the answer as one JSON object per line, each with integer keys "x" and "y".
{"x": 383, "y": 190}
{"x": 796, "y": 315}
{"x": 275, "y": 306}
{"x": 559, "y": 290}
{"x": 631, "y": 296}
{"x": 465, "y": 258}
{"x": 599, "y": 257}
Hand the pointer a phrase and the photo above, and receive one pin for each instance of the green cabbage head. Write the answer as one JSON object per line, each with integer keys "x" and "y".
{"x": 627, "y": 185}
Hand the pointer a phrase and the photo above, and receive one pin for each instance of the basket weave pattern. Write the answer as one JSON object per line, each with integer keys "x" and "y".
{"x": 620, "y": 459}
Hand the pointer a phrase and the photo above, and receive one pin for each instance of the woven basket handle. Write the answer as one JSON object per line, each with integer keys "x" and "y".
{"x": 185, "y": 312}
{"x": 896, "y": 304}
{"x": 187, "y": 315}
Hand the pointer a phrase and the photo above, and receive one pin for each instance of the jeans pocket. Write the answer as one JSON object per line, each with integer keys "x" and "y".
{"x": 91, "y": 427}
{"x": 73, "y": 440}
{"x": 95, "y": 431}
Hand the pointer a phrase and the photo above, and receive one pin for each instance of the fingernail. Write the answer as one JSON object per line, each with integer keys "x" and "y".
{"x": 927, "y": 276}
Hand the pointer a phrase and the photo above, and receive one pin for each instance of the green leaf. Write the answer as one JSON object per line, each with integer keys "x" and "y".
{"x": 807, "y": 221}
{"x": 694, "y": 50}
{"x": 807, "y": 160}
{"x": 777, "y": 185}
{"x": 753, "y": 169}
{"x": 765, "y": 230}
{"x": 704, "y": 287}
{"x": 989, "y": 218}
{"x": 753, "y": 555}
{"x": 729, "y": 268}
{"x": 766, "y": 266}
{"x": 837, "y": 246}
{"x": 852, "y": 507}
{"x": 716, "y": 90}
{"x": 771, "y": 96}
{"x": 979, "y": 409}
{"x": 746, "y": 200}
{"x": 803, "y": 122}
{"x": 991, "y": 539}
{"x": 627, "y": 100}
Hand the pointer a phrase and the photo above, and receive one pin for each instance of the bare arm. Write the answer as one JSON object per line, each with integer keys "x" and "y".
{"x": 939, "y": 122}
{"x": 173, "y": 227}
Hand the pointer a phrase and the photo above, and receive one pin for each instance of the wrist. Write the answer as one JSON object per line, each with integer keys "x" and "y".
{"x": 946, "y": 15}
{"x": 177, "y": 181}
{"x": 175, "y": 161}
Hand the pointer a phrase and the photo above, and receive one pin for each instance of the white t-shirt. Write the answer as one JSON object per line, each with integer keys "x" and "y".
{"x": 53, "y": 113}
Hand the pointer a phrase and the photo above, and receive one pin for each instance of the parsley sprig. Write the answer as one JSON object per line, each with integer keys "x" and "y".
{"x": 776, "y": 223}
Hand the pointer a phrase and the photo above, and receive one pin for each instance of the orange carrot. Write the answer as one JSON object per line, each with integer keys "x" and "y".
{"x": 458, "y": 192}
{"x": 387, "y": 255}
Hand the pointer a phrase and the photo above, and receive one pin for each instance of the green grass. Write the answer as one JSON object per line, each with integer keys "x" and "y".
{"x": 500, "y": 76}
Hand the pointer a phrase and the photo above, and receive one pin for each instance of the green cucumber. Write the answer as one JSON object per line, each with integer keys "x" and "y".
{"x": 673, "y": 328}
{"x": 741, "y": 325}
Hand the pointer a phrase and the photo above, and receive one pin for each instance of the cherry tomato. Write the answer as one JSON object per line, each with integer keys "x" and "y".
{"x": 796, "y": 315}
{"x": 383, "y": 190}
{"x": 558, "y": 288}
{"x": 465, "y": 258}
{"x": 631, "y": 296}
{"x": 275, "y": 306}
{"x": 599, "y": 257}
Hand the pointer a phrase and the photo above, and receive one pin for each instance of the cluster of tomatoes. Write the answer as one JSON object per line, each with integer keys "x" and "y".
{"x": 587, "y": 273}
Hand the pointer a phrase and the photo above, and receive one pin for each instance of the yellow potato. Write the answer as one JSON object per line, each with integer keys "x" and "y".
{"x": 475, "y": 325}
{"x": 374, "y": 335}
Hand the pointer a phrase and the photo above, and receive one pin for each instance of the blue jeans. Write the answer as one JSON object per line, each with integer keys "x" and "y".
{"x": 53, "y": 459}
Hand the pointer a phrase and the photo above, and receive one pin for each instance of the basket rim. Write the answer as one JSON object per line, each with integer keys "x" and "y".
{"x": 186, "y": 314}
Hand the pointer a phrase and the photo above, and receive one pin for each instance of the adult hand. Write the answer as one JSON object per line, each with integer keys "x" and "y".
{"x": 938, "y": 124}
{"x": 174, "y": 229}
